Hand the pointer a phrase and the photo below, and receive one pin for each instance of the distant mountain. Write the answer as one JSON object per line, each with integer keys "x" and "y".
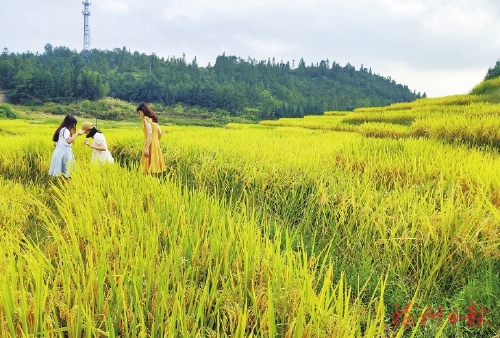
{"x": 253, "y": 89}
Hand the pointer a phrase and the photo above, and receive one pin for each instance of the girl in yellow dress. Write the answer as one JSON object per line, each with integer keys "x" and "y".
{"x": 152, "y": 158}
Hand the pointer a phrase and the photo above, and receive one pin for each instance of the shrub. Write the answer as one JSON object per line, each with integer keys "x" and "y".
{"x": 7, "y": 112}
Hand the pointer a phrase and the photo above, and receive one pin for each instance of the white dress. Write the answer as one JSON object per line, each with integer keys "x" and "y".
{"x": 62, "y": 157}
{"x": 101, "y": 156}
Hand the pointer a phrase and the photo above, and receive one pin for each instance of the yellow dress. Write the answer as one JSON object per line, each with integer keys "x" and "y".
{"x": 153, "y": 163}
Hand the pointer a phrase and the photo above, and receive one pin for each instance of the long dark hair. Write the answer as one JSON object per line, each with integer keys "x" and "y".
{"x": 69, "y": 123}
{"x": 92, "y": 132}
{"x": 147, "y": 112}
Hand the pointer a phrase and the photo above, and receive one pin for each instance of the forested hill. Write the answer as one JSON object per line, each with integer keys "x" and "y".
{"x": 234, "y": 86}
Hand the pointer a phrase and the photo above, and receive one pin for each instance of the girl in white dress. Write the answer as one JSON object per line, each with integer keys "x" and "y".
{"x": 62, "y": 157}
{"x": 100, "y": 151}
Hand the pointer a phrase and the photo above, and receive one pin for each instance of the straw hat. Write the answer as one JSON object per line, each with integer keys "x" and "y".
{"x": 87, "y": 125}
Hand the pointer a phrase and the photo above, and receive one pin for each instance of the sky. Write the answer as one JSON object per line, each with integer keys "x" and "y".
{"x": 437, "y": 47}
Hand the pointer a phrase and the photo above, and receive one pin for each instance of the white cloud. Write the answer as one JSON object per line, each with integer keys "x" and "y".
{"x": 437, "y": 83}
{"x": 114, "y": 6}
{"x": 270, "y": 48}
{"x": 403, "y": 9}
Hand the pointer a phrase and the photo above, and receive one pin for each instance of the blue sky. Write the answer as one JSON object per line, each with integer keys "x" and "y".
{"x": 440, "y": 47}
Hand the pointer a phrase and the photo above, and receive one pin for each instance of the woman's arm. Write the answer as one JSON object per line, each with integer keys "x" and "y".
{"x": 160, "y": 134}
{"x": 72, "y": 139}
{"x": 99, "y": 143}
{"x": 149, "y": 131}
{"x": 96, "y": 147}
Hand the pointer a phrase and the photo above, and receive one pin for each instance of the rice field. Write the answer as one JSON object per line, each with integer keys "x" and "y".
{"x": 463, "y": 119}
{"x": 351, "y": 224}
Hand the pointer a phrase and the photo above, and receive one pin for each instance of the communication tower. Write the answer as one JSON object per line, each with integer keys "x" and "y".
{"x": 86, "y": 29}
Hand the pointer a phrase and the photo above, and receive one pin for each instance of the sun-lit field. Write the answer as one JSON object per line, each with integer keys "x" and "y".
{"x": 382, "y": 222}
{"x": 464, "y": 119}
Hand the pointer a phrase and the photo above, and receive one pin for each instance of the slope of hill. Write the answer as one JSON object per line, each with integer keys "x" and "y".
{"x": 233, "y": 86}
{"x": 471, "y": 119}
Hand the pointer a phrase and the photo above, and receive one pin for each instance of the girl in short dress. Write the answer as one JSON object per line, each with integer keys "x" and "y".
{"x": 100, "y": 151}
{"x": 63, "y": 157}
{"x": 152, "y": 158}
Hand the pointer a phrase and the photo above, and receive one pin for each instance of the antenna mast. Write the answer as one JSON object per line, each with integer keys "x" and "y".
{"x": 86, "y": 29}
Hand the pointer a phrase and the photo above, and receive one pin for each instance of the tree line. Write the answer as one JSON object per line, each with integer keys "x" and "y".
{"x": 493, "y": 72}
{"x": 264, "y": 89}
